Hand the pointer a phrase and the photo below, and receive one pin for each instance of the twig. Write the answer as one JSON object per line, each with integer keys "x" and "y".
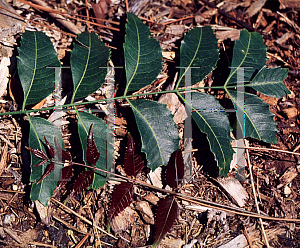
{"x": 255, "y": 198}
{"x": 267, "y": 149}
{"x": 87, "y": 15}
{"x": 68, "y": 225}
{"x": 126, "y": 5}
{"x": 71, "y": 17}
{"x": 81, "y": 217}
{"x": 181, "y": 19}
{"x": 199, "y": 201}
{"x": 69, "y": 25}
{"x": 247, "y": 237}
{"x": 47, "y": 26}
{"x": 82, "y": 241}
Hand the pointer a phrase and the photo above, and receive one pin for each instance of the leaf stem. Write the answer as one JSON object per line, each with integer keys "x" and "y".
{"x": 109, "y": 99}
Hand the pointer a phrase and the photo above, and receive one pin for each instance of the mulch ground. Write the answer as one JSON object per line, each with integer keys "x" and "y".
{"x": 275, "y": 173}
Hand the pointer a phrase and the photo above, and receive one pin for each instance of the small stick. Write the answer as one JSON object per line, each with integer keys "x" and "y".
{"x": 181, "y": 19}
{"x": 87, "y": 15}
{"x": 127, "y": 6}
{"x": 82, "y": 241}
{"x": 81, "y": 217}
{"x": 255, "y": 198}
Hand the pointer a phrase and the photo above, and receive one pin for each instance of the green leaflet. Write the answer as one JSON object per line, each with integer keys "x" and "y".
{"x": 35, "y": 55}
{"x": 40, "y": 128}
{"x": 212, "y": 120}
{"x": 199, "y": 48}
{"x": 268, "y": 81}
{"x": 259, "y": 122}
{"x": 103, "y": 143}
{"x": 86, "y": 60}
{"x": 249, "y": 56}
{"x": 157, "y": 129}
{"x": 143, "y": 55}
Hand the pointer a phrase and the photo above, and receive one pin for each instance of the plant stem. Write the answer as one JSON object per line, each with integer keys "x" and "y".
{"x": 109, "y": 99}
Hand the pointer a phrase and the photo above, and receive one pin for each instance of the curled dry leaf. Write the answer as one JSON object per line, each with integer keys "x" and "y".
{"x": 120, "y": 199}
{"x": 167, "y": 214}
{"x": 175, "y": 169}
{"x": 92, "y": 153}
{"x": 133, "y": 163}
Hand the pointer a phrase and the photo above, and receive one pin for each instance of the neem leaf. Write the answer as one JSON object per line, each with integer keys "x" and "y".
{"x": 157, "y": 129}
{"x": 143, "y": 55}
{"x": 38, "y": 153}
{"x": 167, "y": 214}
{"x": 92, "y": 153}
{"x": 84, "y": 180}
{"x": 175, "y": 169}
{"x": 133, "y": 163}
{"x": 249, "y": 55}
{"x": 40, "y": 128}
{"x": 64, "y": 155}
{"x": 269, "y": 81}
{"x": 48, "y": 171}
{"x": 211, "y": 118}
{"x": 66, "y": 174}
{"x": 49, "y": 148}
{"x": 36, "y": 55}
{"x": 103, "y": 142}
{"x": 199, "y": 48}
{"x": 88, "y": 64}
{"x": 258, "y": 119}
{"x": 121, "y": 198}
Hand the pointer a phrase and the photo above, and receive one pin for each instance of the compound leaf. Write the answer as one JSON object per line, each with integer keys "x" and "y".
{"x": 157, "y": 129}
{"x": 143, "y": 55}
{"x": 36, "y": 55}
{"x": 258, "y": 120}
{"x": 50, "y": 168}
{"x": 269, "y": 81}
{"x": 199, "y": 48}
{"x": 167, "y": 214}
{"x": 249, "y": 56}
{"x": 88, "y": 64}
{"x": 212, "y": 120}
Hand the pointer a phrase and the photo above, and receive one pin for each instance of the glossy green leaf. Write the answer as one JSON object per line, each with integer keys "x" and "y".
{"x": 143, "y": 55}
{"x": 249, "y": 56}
{"x": 89, "y": 61}
{"x": 258, "y": 119}
{"x": 269, "y": 81}
{"x": 212, "y": 120}
{"x": 157, "y": 129}
{"x": 40, "y": 128}
{"x": 199, "y": 48}
{"x": 36, "y": 54}
{"x": 103, "y": 142}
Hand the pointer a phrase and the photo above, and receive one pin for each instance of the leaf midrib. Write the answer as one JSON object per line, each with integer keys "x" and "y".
{"x": 85, "y": 69}
{"x": 198, "y": 47}
{"x": 228, "y": 79}
{"x": 161, "y": 156}
{"x": 34, "y": 71}
{"x": 138, "y": 59}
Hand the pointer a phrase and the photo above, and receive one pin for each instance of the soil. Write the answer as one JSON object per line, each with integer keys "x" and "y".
{"x": 275, "y": 172}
